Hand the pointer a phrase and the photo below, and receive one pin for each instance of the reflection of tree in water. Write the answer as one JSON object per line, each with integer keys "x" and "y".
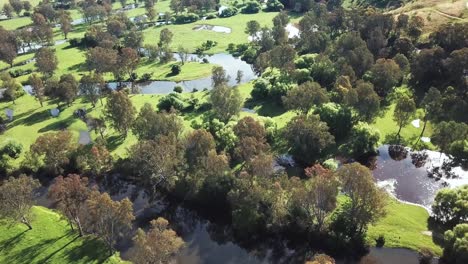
{"x": 372, "y": 162}
{"x": 419, "y": 158}
{"x": 397, "y": 152}
{"x": 444, "y": 171}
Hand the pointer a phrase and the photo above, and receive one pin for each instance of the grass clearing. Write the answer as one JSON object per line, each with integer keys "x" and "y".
{"x": 31, "y": 120}
{"x": 50, "y": 241}
{"x": 72, "y": 60}
{"x": 403, "y": 227}
{"x": 388, "y": 128}
{"x": 187, "y": 37}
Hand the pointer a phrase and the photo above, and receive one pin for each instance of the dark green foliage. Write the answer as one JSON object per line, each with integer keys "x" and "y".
{"x": 170, "y": 101}
{"x": 306, "y": 95}
{"x": 447, "y": 134}
{"x": 363, "y": 139}
{"x": 274, "y": 6}
{"x": 228, "y": 12}
{"x": 186, "y": 18}
{"x": 178, "y": 89}
{"x": 175, "y": 69}
{"x": 450, "y": 206}
{"x": 251, "y": 7}
{"x": 455, "y": 250}
{"x": 12, "y": 148}
{"x": 308, "y": 138}
{"x": 337, "y": 117}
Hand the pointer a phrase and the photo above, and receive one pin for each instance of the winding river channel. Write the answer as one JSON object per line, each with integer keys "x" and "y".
{"x": 230, "y": 64}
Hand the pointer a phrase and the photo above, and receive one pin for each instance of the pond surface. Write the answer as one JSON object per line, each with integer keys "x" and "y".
{"x": 413, "y": 176}
{"x": 230, "y": 64}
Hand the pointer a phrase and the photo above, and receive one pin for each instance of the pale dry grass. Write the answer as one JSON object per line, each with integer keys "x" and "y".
{"x": 435, "y": 12}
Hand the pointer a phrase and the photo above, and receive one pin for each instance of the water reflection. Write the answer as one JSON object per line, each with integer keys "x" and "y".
{"x": 416, "y": 177}
{"x": 230, "y": 64}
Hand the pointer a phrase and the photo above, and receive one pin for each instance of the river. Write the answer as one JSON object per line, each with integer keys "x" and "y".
{"x": 230, "y": 64}
{"x": 211, "y": 243}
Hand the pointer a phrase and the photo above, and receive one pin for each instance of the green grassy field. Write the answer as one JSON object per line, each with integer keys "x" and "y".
{"x": 388, "y": 128}
{"x": 31, "y": 120}
{"x": 403, "y": 227}
{"x": 72, "y": 60}
{"x": 50, "y": 241}
{"x": 187, "y": 37}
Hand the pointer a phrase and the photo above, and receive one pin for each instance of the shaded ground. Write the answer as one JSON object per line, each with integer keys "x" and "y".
{"x": 50, "y": 241}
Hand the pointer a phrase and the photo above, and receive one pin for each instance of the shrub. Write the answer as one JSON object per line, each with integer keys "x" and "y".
{"x": 133, "y": 76}
{"x": 380, "y": 241}
{"x": 260, "y": 89}
{"x": 251, "y": 7}
{"x": 363, "y": 139}
{"x": 211, "y": 16}
{"x": 171, "y": 100}
{"x": 228, "y": 12}
{"x": 175, "y": 69}
{"x": 74, "y": 42}
{"x": 178, "y": 89}
{"x": 274, "y": 6}
{"x": 12, "y": 149}
{"x": 146, "y": 77}
{"x": 186, "y": 18}
{"x": 19, "y": 72}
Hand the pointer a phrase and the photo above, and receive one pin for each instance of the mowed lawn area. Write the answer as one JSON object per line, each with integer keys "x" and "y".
{"x": 50, "y": 241}
{"x": 404, "y": 226}
{"x": 31, "y": 120}
{"x": 185, "y": 36}
{"x": 409, "y": 134}
{"x": 73, "y": 60}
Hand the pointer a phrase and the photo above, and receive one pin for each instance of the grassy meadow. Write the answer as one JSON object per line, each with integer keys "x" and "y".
{"x": 50, "y": 241}
{"x": 404, "y": 226}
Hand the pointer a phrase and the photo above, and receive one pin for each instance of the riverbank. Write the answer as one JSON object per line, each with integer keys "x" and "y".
{"x": 50, "y": 241}
{"x": 404, "y": 226}
{"x": 72, "y": 60}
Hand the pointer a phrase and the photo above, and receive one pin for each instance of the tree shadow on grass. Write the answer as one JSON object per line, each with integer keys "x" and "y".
{"x": 44, "y": 260}
{"x": 113, "y": 142}
{"x": 32, "y": 119}
{"x": 270, "y": 109}
{"x": 30, "y": 253}
{"x": 59, "y": 125}
{"x": 265, "y": 108}
{"x": 78, "y": 67}
{"x": 92, "y": 249}
{"x": 8, "y": 244}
